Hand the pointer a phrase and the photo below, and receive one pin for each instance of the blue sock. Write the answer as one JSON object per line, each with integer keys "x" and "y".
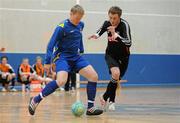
{"x": 91, "y": 93}
{"x": 49, "y": 88}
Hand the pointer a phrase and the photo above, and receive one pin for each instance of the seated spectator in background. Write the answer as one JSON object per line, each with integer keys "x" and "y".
{"x": 51, "y": 73}
{"x": 26, "y": 74}
{"x": 39, "y": 68}
{"x": 6, "y": 73}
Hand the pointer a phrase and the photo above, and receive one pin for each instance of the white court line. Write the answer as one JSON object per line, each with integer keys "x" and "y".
{"x": 88, "y": 12}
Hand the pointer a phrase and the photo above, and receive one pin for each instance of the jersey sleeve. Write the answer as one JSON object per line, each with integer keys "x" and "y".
{"x": 57, "y": 36}
{"x": 32, "y": 70}
{"x": 103, "y": 28}
{"x": 126, "y": 34}
{"x": 34, "y": 67}
{"x": 11, "y": 70}
{"x": 81, "y": 46}
{"x": 20, "y": 70}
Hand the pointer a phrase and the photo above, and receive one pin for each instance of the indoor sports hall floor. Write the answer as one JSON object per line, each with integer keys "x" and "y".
{"x": 134, "y": 105}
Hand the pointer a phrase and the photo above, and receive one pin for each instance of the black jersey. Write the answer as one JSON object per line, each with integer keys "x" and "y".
{"x": 118, "y": 49}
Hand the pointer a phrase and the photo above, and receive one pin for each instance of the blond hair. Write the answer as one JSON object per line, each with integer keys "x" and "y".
{"x": 25, "y": 59}
{"x": 38, "y": 58}
{"x": 77, "y": 9}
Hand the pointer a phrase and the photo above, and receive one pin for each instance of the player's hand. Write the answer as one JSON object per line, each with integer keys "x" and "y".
{"x": 112, "y": 38}
{"x": 111, "y": 29}
{"x": 47, "y": 67}
{"x": 93, "y": 37}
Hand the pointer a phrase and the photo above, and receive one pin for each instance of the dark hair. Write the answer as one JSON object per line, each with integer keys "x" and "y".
{"x": 2, "y": 57}
{"x": 115, "y": 10}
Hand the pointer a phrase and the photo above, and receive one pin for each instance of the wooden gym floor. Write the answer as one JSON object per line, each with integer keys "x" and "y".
{"x": 133, "y": 105}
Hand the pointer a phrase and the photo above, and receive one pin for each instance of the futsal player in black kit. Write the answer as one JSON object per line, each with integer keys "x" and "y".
{"x": 117, "y": 52}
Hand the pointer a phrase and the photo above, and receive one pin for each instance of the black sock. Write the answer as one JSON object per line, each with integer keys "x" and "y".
{"x": 113, "y": 92}
{"x": 66, "y": 86}
{"x": 12, "y": 83}
{"x": 110, "y": 89}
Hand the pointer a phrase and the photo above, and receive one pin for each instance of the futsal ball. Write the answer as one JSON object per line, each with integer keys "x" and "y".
{"x": 78, "y": 108}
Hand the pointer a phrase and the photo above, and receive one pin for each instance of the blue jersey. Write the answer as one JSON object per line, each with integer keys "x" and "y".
{"x": 65, "y": 41}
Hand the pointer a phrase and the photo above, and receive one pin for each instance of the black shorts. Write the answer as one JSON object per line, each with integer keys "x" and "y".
{"x": 4, "y": 80}
{"x": 24, "y": 82}
{"x": 122, "y": 63}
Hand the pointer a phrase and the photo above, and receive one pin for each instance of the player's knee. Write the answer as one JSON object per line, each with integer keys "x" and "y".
{"x": 61, "y": 82}
{"x": 61, "y": 78}
{"x": 93, "y": 77}
{"x": 116, "y": 74}
{"x": 9, "y": 78}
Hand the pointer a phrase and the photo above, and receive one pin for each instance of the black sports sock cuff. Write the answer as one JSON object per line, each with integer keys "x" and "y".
{"x": 113, "y": 80}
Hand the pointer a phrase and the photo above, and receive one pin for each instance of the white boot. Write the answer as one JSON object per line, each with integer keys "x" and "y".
{"x": 112, "y": 106}
{"x": 13, "y": 89}
{"x": 103, "y": 103}
{"x": 3, "y": 89}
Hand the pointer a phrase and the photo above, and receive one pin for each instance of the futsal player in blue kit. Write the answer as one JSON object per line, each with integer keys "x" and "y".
{"x": 67, "y": 41}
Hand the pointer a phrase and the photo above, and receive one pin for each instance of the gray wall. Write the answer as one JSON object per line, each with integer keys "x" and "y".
{"x": 26, "y": 25}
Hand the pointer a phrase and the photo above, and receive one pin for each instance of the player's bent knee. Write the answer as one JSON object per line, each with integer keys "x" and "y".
{"x": 60, "y": 82}
{"x": 115, "y": 75}
{"x": 9, "y": 78}
{"x": 94, "y": 77}
{"x": 62, "y": 78}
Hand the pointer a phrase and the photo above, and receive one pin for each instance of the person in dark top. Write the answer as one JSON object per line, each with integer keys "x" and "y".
{"x": 71, "y": 77}
{"x": 117, "y": 51}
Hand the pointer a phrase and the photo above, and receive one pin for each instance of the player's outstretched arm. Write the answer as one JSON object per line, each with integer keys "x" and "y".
{"x": 100, "y": 31}
{"x": 94, "y": 36}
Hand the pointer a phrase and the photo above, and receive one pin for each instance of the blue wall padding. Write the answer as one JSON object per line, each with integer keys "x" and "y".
{"x": 144, "y": 69}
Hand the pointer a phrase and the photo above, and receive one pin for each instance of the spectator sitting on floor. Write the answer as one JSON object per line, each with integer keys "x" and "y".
{"x": 26, "y": 74}
{"x": 39, "y": 68}
{"x": 6, "y": 74}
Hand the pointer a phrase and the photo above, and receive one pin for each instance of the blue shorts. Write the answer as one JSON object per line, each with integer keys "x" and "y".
{"x": 68, "y": 65}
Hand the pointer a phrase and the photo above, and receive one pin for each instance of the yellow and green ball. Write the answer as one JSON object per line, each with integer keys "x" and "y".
{"x": 78, "y": 108}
